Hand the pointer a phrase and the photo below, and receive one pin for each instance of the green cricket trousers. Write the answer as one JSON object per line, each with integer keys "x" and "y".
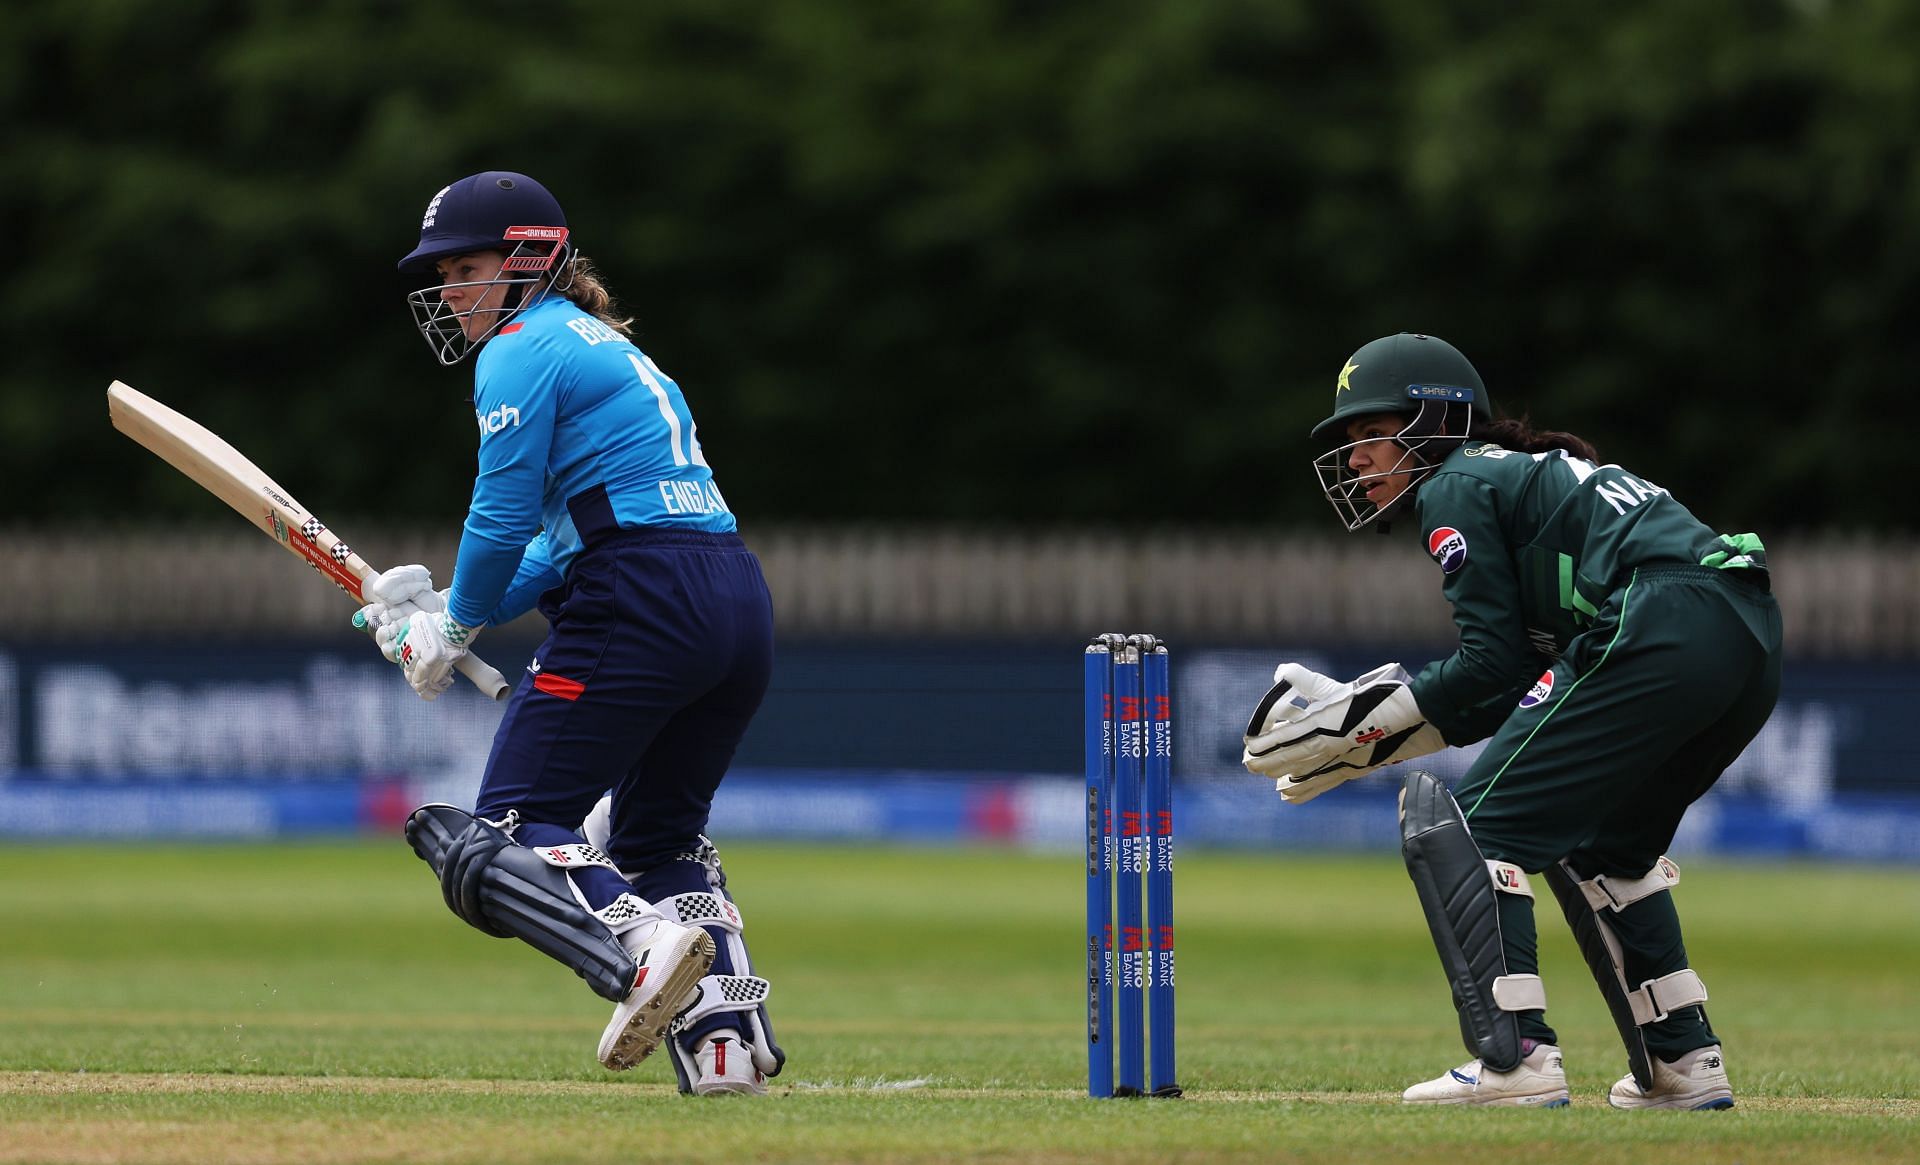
{"x": 1597, "y": 765}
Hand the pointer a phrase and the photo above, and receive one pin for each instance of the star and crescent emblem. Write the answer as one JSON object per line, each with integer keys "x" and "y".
{"x": 1349, "y": 370}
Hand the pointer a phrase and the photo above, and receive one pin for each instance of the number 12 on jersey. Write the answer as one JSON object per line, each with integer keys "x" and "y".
{"x": 686, "y": 447}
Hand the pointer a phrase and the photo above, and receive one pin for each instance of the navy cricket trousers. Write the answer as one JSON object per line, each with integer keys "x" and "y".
{"x": 658, "y": 653}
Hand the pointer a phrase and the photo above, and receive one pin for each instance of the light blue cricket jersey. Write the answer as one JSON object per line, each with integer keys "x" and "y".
{"x": 581, "y": 435}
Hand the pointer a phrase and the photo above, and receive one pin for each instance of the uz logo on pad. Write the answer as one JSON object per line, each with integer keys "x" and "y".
{"x": 1448, "y": 547}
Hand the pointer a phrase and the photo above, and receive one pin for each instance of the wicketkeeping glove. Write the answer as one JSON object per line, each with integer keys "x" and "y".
{"x": 1310, "y": 733}
{"x": 429, "y": 643}
{"x": 1295, "y": 688}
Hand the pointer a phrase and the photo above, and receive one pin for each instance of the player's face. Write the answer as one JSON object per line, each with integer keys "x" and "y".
{"x": 466, "y": 288}
{"x": 1383, "y": 464}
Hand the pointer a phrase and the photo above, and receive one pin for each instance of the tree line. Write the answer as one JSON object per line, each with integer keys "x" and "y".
{"x": 978, "y": 261}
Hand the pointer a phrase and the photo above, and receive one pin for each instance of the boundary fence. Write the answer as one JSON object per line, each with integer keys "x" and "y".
{"x": 1843, "y": 596}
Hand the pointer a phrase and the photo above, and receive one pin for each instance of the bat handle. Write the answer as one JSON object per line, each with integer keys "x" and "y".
{"x": 484, "y": 677}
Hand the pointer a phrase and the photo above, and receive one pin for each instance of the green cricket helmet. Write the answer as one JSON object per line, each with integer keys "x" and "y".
{"x": 1422, "y": 378}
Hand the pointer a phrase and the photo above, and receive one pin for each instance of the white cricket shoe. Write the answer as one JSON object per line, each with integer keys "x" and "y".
{"x": 1538, "y": 1081}
{"x": 726, "y": 1066}
{"x": 1696, "y": 1080}
{"x": 672, "y": 959}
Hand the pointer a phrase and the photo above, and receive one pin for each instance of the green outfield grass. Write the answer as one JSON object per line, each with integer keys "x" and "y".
{"x": 317, "y": 1003}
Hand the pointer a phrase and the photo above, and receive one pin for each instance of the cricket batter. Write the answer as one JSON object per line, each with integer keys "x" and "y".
{"x": 1615, "y": 654}
{"x": 594, "y": 501}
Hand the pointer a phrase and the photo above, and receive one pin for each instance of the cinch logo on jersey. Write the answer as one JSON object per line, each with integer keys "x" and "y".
{"x": 496, "y": 420}
{"x": 1448, "y": 547}
{"x": 1541, "y": 689}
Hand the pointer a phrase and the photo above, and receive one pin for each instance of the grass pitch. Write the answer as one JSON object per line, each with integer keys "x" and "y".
{"x": 317, "y": 1003}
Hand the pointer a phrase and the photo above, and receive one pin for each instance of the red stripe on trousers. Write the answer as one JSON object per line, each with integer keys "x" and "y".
{"x": 559, "y": 686}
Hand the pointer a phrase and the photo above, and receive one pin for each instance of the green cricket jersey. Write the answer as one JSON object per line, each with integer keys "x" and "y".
{"x": 1531, "y": 545}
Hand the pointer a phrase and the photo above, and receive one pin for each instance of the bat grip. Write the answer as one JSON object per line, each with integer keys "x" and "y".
{"x": 484, "y": 677}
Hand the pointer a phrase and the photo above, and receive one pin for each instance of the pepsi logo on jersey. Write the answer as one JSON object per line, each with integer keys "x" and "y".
{"x": 1448, "y": 547}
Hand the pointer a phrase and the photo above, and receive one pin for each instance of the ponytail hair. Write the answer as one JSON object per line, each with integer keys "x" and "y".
{"x": 1517, "y": 434}
{"x": 586, "y": 291}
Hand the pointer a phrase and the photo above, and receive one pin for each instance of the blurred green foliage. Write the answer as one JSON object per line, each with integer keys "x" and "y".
{"x": 979, "y": 260}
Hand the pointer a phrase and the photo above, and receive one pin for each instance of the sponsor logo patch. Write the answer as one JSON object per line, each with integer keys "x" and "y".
{"x": 503, "y": 417}
{"x": 1438, "y": 392}
{"x": 1448, "y": 547}
{"x": 1510, "y": 878}
{"x": 1541, "y": 690}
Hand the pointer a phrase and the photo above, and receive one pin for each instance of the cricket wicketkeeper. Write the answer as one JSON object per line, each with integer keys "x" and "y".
{"x": 1615, "y": 654}
{"x": 595, "y": 501}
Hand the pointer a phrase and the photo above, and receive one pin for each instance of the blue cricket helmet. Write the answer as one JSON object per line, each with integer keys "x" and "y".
{"x": 491, "y": 211}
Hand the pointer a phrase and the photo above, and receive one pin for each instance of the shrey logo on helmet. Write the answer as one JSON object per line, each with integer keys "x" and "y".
{"x": 1448, "y": 547}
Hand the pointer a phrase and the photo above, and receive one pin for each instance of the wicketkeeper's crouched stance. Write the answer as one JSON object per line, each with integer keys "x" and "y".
{"x": 1660, "y": 645}
{"x": 594, "y": 500}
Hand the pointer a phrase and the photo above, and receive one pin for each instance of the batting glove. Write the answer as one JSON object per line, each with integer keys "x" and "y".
{"x": 392, "y": 596}
{"x": 429, "y": 643}
{"x": 1348, "y": 732}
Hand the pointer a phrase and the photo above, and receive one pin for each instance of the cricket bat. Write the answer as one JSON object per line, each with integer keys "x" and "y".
{"x": 222, "y": 471}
